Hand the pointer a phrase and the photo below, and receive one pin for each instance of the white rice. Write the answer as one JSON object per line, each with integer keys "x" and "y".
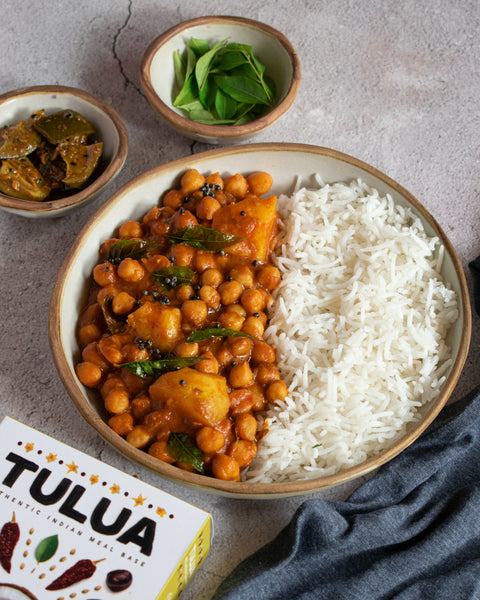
{"x": 359, "y": 325}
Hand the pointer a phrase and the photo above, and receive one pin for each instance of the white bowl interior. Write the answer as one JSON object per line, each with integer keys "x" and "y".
{"x": 265, "y": 46}
{"x": 289, "y": 164}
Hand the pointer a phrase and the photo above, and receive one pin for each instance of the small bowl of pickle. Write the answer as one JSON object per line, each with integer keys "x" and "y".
{"x": 59, "y": 147}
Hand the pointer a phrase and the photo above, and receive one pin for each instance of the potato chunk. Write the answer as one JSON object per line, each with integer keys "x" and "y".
{"x": 158, "y": 323}
{"x": 198, "y": 397}
{"x": 252, "y": 218}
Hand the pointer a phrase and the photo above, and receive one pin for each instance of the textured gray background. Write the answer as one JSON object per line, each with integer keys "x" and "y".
{"x": 394, "y": 83}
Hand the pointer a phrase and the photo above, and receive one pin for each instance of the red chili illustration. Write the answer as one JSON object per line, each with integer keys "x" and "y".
{"x": 8, "y": 540}
{"x": 83, "y": 569}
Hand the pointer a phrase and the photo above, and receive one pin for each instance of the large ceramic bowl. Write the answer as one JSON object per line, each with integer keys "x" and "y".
{"x": 269, "y": 45}
{"x": 20, "y": 104}
{"x": 286, "y": 162}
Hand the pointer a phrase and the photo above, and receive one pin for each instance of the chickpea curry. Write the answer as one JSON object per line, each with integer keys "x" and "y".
{"x": 172, "y": 334}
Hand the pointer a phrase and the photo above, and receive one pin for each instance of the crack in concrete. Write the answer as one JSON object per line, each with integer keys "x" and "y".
{"x": 128, "y": 81}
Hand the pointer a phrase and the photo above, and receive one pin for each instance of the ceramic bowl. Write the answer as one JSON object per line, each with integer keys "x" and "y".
{"x": 272, "y": 48}
{"x": 19, "y": 104}
{"x": 289, "y": 164}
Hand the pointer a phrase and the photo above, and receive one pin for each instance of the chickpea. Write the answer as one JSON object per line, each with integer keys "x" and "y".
{"x": 243, "y": 451}
{"x": 231, "y": 320}
{"x": 155, "y": 263}
{"x": 140, "y": 406}
{"x": 215, "y": 179}
{"x": 121, "y": 424}
{"x": 123, "y": 303}
{"x": 236, "y": 308}
{"x": 240, "y": 376}
{"x": 173, "y": 199}
{"x": 159, "y": 450}
{"x": 266, "y": 373}
{"x": 184, "y": 292}
{"x": 191, "y": 180}
{"x": 210, "y": 296}
{"x": 182, "y": 254}
{"x": 243, "y": 275}
{"x": 207, "y": 207}
{"x": 230, "y": 291}
{"x": 263, "y": 352}
{"x": 117, "y": 401}
{"x": 186, "y": 350}
{"x": 259, "y": 183}
{"x": 210, "y": 440}
{"x": 225, "y": 467}
{"x": 92, "y": 354}
{"x": 139, "y": 437}
{"x": 240, "y": 347}
{"x": 224, "y": 356}
{"x": 263, "y": 318}
{"x": 241, "y": 401}
{"x": 130, "y": 270}
{"x": 277, "y": 390}
{"x": 104, "y": 273}
{"x": 254, "y": 327}
{"x": 211, "y": 277}
{"x": 133, "y": 384}
{"x": 236, "y": 185}
{"x": 130, "y": 229}
{"x": 152, "y": 215}
{"x": 184, "y": 218}
{"x": 209, "y": 365}
{"x": 158, "y": 229}
{"x": 194, "y": 311}
{"x": 258, "y": 398}
{"x": 88, "y": 333}
{"x": 156, "y": 420}
{"x": 132, "y": 353}
{"x": 246, "y": 426}
{"x": 112, "y": 382}
{"x": 88, "y": 373}
{"x": 252, "y": 300}
{"x": 204, "y": 260}
{"x": 269, "y": 277}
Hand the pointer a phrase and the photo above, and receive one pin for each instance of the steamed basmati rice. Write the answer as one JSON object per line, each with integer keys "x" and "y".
{"x": 359, "y": 325}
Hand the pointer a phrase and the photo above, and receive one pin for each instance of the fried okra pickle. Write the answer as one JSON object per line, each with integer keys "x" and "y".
{"x": 172, "y": 334}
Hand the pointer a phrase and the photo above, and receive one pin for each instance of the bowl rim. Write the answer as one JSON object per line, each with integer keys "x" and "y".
{"x": 221, "y": 132}
{"x": 99, "y": 182}
{"x": 247, "y": 489}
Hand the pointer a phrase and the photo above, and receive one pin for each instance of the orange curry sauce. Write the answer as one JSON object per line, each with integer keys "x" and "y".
{"x": 199, "y": 412}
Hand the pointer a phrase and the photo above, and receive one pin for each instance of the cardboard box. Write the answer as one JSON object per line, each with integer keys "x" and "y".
{"x": 73, "y": 523}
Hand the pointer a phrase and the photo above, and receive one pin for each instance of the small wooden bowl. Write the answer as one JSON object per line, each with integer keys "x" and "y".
{"x": 272, "y": 48}
{"x": 290, "y": 165}
{"x": 19, "y": 104}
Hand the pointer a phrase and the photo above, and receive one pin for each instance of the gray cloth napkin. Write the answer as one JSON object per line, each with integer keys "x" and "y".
{"x": 411, "y": 532}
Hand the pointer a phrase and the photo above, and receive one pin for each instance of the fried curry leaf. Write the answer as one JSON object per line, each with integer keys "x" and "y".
{"x": 132, "y": 248}
{"x": 154, "y": 368}
{"x": 182, "y": 447}
{"x": 209, "y": 332}
{"x": 46, "y": 548}
{"x": 204, "y": 238}
{"x": 173, "y": 277}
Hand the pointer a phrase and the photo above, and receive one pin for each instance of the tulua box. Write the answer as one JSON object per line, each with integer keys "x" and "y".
{"x": 72, "y": 527}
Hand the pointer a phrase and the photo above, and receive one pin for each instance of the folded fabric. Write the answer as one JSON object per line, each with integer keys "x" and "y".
{"x": 411, "y": 532}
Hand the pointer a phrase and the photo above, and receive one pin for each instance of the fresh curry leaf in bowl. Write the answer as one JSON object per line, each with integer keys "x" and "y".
{"x": 225, "y": 84}
{"x": 154, "y": 368}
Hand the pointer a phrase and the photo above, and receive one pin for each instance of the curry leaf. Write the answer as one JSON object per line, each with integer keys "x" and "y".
{"x": 46, "y": 548}
{"x": 182, "y": 447}
{"x": 209, "y": 332}
{"x": 173, "y": 277}
{"x": 180, "y": 69}
{"x": 132, "y": 248}
{"x": 204, "y": 64}
{"x": 154, "y": 368}
{"x": 242, "y": 89}
{"x": 198, "y": 46}
{"x": 204, "y": 238}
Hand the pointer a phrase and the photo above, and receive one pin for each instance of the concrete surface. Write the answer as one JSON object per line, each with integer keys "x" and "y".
{"x": 396, "y": 84}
